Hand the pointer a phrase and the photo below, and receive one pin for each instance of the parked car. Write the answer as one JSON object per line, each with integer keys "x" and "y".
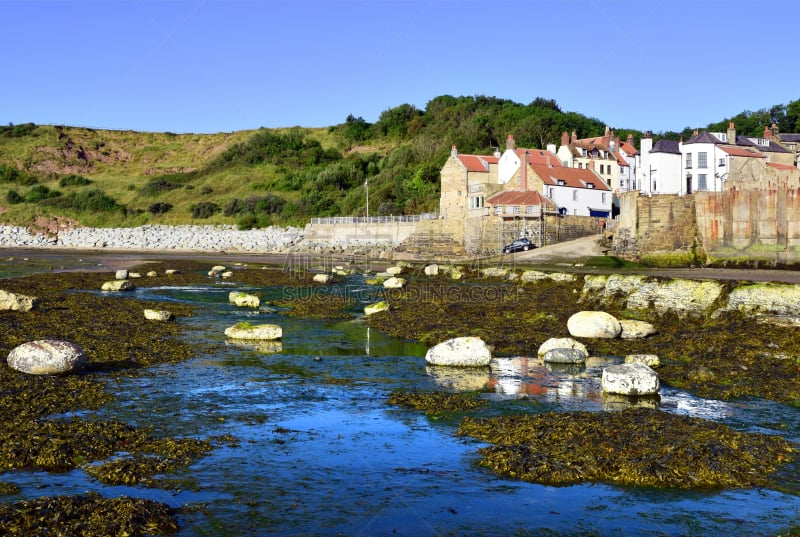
{"x": 519, "y": 245}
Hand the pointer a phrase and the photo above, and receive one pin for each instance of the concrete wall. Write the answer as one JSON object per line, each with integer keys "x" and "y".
{"x": 392, "y": 233}
{"x": 655, "y": 224}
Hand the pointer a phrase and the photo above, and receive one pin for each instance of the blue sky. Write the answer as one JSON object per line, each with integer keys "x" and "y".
{"x": 226, "y": 65}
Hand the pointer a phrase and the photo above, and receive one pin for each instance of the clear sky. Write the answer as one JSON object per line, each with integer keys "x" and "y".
{"x": 225, "y": 65}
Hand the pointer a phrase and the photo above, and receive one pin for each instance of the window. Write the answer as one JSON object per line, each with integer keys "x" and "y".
{"x": 515, "y": 209}
{"x": 602, "y": 169}
{"x": 654, "y": 186}
{"x": 702, "y": 161}
{"x": 580, "y": 166}
{"x": 476, "y": 202}
{"x": 498, "y": 209}
{"x": 701, "y": 182}
{"x": 722, "y": 161}
{"x": 550, "y": 192}
{"x": 603, "y": 197}
{"x": 561, "y": 182}
{"x": 688, "y": 160}
{"x": 529, "y": 209}
{"x": 574, "y": 195}
{"x": 589, "y": 185}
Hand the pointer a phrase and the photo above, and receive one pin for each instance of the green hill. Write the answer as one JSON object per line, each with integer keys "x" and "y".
{"x": 261, "y": 177}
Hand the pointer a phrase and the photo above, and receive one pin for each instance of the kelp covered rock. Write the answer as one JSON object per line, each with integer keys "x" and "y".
{"x": 16, "y": 302}
{"x": 254, "y": 331}
{"x": 638, "y": 447}
{"x": 47, "y": 357}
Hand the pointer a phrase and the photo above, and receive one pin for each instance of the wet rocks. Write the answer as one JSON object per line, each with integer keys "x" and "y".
{"x": 254, "y": 331}
{"x": 594, "y": 324}
{"x": 158, "y": 315}
{"x": 469, "y": 351}
{"x": 47, "y": 357}
{"x": 650, "y": 360}
{"x": 564, "y": 356}
{"x": 633, "y": 329}
{"x": 244, "y": 300}
{"x": 394, "y": 283}
{"x": 16, "y": 302}
{"x": 121, "y": 274}
{"x": 633, "y": 379}
{"x": 562, "y": 343}
{"x": 322, "y": 278}
{"x": 431, "y": 270}
{"x": 118, "y": 285}
{"x": 376, "y": 308}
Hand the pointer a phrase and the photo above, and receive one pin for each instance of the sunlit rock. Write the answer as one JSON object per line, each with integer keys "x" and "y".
{"x": 158, "y": 315}
{"x": 432, "y": 270}
{"x": 118, "y": 285}
{"x": 15, "y": 302}
{"x": 376, "y": 308}
{"x": 394, "y": 271}
{"x": 650, "y": 360}
{"x": 121, "y": 274}
{"x": 47, "y": 357}
{"x": 322, "y": 278}
{"x": 633, "y": 329}
{"x": 470, "y": 351}
{"x": 254, "y": 331}
{"x": 594, "y": 324}
{"x": 394, "y": 283}
{"x": 630, "y": 379}
{"x": 564, "y": 356}
{"x": 561, "y": 343}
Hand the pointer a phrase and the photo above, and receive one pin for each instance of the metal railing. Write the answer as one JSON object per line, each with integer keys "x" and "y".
{"x": 374, "y": 219}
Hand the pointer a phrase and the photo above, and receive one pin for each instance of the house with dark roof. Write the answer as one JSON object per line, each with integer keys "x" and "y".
{"x": 660, "y": 166}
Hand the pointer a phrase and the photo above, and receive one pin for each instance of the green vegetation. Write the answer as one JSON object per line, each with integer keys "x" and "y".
{"x": 299, "y": 173}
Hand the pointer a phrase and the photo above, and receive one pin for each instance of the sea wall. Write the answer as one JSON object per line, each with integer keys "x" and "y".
{"x": 157, "y": 237}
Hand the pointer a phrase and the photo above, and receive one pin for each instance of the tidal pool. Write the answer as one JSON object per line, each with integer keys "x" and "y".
{"x": 318, "y": 451}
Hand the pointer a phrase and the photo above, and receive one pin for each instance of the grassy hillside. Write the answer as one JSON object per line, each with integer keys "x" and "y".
{"x": 260, "y": 177}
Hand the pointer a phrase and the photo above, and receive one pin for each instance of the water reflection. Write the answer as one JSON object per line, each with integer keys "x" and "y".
{"x": 266, "y": 347}
{"x": 466, "y": 379}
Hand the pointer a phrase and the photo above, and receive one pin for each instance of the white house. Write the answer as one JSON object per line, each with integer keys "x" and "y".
{"x": 574, "y": 191}
{"x": 660, "y": 169}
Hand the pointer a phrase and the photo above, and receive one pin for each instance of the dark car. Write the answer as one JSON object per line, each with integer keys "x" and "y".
{"x": 519, "y": 245}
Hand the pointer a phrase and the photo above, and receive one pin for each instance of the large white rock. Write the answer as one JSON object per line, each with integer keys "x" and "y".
{"x": 254, "y": 331}
{"x": 594, "y": 324}
{"x": 322, "y": 278}
{"x": 121, "y": 274}
{"x": 376, "y": 308}
{"x": 432, "y": 270}
{"x": 564, "y": 356}
{"x": 47, "y": 357}
{"x": 158, "y": 315}
{"x": 650, "y": 360}
{"x": 394, "y": 271}
{"x": 15, "y": 302}
{"x": 633, "y": 329}
{"x": 246, "y": 300}
{"x": 561, "y": 343}
{"x": 394, "y": 283}
{"x": 630, "y": 379}
{"x": 118, "y": 285}
{"x": 470, "y": 351}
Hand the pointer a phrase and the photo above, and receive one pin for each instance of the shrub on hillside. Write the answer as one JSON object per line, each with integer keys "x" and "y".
{"x": 205, "y": 210}
{"x": 9, "y": 174}
{"x": 39, "y": 193}
{"x": 92, "y": 201}
{"x": 13, "y": 197}
{"x": 159, "y": 208}
{"x": 158, "y": 186}
{"x": 73, "y": 180}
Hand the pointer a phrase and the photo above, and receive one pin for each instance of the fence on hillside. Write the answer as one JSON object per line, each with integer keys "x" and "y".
{"x": 374, "y": 219}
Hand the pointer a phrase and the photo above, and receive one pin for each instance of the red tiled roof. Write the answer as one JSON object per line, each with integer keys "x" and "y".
{"x": 477, "y": 163}
{"x": 628, "y": 148}
{"x": 572, "y": 177}
{"x": 518, "y": 197}
{"x": 741, "y": 151}
{"x": 620, "y": 159}
{"x": 538, "y": 156}
{"x": 782, "y": 166}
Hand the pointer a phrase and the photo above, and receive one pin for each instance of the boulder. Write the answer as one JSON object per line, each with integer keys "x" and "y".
{"x": 632, "y": 329}
{"x": 467, "y": 351}
{"x": 594, "y": 324}
{"x": 561, "y": 343}
{"x": 394, "y": 271}
{"x": 118, "y": 285}
{"x": 432, "y": 270}
{"x": 133, "y": 275}
{"x": 530, "y": 276}
{"x": 495, "y": 272}
{"x": 323, "y": 278}
{"x": 16, "y": 302}
{"x": 394, "y": 283}
{"x": 245, "y": 300}
{"x": 227, "y": 274}
{"x": 121, "y": 274}
{"x": 376, "y": 308}
{"x": 152, "y": 274}
{"x": 650, "y": 360}
{"x": 47, "y": 357}
{"x": 564, "y": 356}
{"x": 254, "y": 331}
{"x": 630, "y": 379}
{"x": 158, "y": 315}
{"x": 170, "y": 272}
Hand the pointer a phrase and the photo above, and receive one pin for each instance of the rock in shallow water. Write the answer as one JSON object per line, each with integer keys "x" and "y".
{"x": 467, "y": 351}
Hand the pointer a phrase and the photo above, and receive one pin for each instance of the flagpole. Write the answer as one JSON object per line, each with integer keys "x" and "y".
{"x": 366, "y": 185}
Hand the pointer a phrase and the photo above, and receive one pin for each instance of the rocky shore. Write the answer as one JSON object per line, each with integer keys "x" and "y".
{"x": 158, "y": 237}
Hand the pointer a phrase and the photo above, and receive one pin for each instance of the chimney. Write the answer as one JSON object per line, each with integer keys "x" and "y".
{"x": 731, "y": 134}
{"x": 564, "y": 138}
{"x": 523, "y": 173}
{"x": 607, "y": 137}
{"x": 630, "y": 139}
{"x": 574, "y": 137}
{"x": 767, "y": 133}
{"x": 510, "y": 144}
{"x": 453, "y": 151}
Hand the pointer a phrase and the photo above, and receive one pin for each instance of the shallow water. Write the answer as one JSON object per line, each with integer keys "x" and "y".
{"x": 320, "y": 452}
